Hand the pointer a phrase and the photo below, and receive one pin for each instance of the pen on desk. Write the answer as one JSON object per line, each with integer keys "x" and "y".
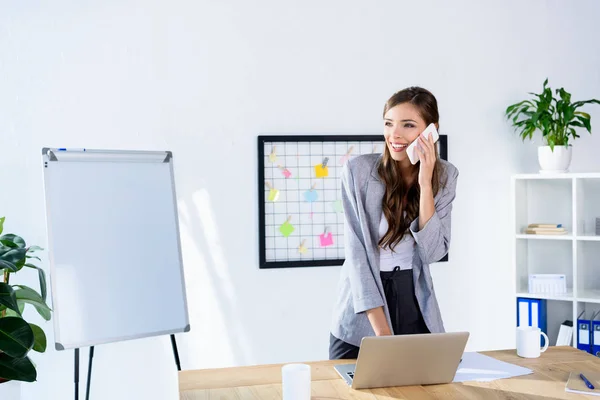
{"x": 587, "y": 383}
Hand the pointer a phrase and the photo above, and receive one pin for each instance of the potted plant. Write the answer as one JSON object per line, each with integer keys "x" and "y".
{"x": 556, "y": 117}
{"x": 17, "y": 336}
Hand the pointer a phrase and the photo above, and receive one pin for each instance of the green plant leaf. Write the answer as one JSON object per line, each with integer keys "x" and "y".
{"x": 8, "y": 297}
{"x": 7, "y": 265}
{"x": 39, "y": 338}
{"x": 515, "y": 107}
{"x": 573, "y": 133}
{"x": 16, "y": 336}
{"x": 586, "y": 115}
{"x": 551, "y": 142}
{"x": 17, "y": 369}
{"x": 585, "y": 122}
{"x": 7, "y": 244}
{"x": 28, "y": 295}
{"x": 34, "y": 257}
{"x": 578, "y": 104}
{"x": 34, "y": 248}
{"x": 11, "y": 313}
{"x": 13, "y": 256}
{"x": 42, "y": 277}
{"x": 9, "y": 239}
{"x": 2, "y": 219}
{"x": 564, "y": 95}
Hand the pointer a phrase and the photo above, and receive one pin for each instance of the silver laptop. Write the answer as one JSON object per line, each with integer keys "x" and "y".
{"x": 403, "y": 360}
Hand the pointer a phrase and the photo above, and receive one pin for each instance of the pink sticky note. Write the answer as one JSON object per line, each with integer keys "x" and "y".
{"x": 326, "y": 239}
{"x": 343, "y": 159}
{"x": 286, "y": 172}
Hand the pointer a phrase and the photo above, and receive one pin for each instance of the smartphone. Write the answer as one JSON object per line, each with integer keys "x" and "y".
{"x": 411, "y": 150}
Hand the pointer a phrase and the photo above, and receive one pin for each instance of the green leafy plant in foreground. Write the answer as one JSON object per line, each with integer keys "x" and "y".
{"x": 17, "y": 336}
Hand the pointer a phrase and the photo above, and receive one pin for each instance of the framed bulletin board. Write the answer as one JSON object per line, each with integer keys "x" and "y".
{"x": 301, "y": 220}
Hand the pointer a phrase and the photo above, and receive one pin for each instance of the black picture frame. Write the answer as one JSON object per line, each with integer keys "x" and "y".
{"x": 264, "y": 139}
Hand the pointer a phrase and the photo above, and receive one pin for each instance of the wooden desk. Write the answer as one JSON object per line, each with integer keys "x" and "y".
{"x": 551, "y": 371}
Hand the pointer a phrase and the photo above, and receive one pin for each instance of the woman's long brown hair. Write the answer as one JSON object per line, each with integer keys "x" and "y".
{"x": 399, "y": 196}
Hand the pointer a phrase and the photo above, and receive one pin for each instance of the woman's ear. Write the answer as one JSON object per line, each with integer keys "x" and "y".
{"x": 437, "y": 126}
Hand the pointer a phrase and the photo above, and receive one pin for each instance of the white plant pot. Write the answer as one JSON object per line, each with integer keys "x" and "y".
{"x": 10, "y": 390}
{"x": 556, "y": 161}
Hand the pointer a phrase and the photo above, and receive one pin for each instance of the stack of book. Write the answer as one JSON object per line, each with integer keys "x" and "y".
{"x": 545, "y": 229}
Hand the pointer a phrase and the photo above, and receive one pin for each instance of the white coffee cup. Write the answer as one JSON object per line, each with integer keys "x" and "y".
{"x": 528, "y": 342}
{"x": 296, "y": 381}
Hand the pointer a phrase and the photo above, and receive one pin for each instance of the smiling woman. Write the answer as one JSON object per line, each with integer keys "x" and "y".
{"x": 397, "y": 223}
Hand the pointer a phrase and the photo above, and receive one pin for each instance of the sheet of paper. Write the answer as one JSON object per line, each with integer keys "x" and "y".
{"x": 481, "y": 368}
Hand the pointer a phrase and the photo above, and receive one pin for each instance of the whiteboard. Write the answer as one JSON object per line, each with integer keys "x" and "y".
{"x": 116, "y": 269}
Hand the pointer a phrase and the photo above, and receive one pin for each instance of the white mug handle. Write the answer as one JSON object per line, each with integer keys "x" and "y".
{"x": 546, "y": 342}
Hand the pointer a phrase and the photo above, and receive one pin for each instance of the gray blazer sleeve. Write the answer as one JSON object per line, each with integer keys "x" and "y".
{"x": 433, "y": 241}
{"x": 365, "y": 294}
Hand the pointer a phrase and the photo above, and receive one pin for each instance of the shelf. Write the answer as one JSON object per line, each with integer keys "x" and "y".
{"x": 545, "y": 237}
{"x": 588, "y": 296}
{"x": 543, "y": 202}
{"x": 568, "y": 175}
{"x": 573, "y": 200}
{"x": 566, "y": 297}
{"x": 588, "y": 206}
{"x": 592, "y": 238}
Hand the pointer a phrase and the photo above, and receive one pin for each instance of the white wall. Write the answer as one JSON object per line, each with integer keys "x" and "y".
{"x": 203, "y": 79}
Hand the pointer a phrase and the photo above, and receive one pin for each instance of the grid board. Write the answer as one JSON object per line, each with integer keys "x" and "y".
{"x": 301, "y": 220}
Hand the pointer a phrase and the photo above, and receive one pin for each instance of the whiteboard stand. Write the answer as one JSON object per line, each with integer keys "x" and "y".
{"x": 114, "y": 249}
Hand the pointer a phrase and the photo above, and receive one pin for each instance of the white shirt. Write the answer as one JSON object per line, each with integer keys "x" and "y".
{"x": 402, "y": 256}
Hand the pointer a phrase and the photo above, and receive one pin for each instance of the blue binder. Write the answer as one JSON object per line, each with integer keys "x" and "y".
{"x": 532, "y": 312}
{"x": 596, "y": 334}
{"x": 584, "y": 334}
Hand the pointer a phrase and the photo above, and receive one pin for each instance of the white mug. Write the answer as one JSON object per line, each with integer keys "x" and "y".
{"x": 296, "y": 381}
{"x": 528, "y": 342}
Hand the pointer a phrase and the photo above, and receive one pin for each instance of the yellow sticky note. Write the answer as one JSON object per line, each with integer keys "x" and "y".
{"x": 273, "y": 195}
{"x": 321, "y": 171}
{"x": 302, "y": 249}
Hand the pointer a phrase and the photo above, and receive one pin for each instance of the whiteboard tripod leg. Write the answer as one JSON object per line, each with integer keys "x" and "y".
{"x": 175, "y": 352}
{"x": 89, "y": 376}
{"x": 76, "y": 377}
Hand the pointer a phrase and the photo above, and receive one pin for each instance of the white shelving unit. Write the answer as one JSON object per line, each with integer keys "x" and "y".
{"x": 573, "y": 200}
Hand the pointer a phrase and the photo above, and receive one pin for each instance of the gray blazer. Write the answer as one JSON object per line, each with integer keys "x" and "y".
{"x": 360, "y": 286}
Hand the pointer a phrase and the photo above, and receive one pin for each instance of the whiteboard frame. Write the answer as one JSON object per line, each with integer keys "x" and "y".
{"x": 52, "y": 155}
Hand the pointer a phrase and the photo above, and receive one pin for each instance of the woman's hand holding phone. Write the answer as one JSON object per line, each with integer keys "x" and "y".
{"x": 427, "y": 157}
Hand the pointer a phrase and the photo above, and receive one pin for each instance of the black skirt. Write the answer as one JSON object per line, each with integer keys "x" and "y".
{"x": 405, "y": 313}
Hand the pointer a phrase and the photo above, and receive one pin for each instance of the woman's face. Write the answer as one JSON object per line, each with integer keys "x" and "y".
{"x": 402, "y": 125}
